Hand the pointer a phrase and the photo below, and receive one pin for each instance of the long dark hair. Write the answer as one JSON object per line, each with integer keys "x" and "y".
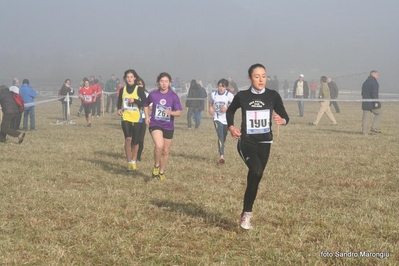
{"x": 138, "y": 79}
{"x": 130, "y": 71}
{"x": 164, "y": 74}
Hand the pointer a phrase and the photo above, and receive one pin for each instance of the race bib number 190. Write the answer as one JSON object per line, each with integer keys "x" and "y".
{"x": 160, "y": 113}
{"x": 258, "y": 122}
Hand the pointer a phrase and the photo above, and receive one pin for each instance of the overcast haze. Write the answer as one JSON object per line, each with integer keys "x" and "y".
{"x": 49, "y": 41}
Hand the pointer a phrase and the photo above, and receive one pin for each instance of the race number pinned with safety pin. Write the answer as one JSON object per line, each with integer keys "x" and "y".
{"x": 258, "y": 122}
{"x": 129, "y": 106}
{"x": 160, "y": 113}
{"x": 88, "y": 98}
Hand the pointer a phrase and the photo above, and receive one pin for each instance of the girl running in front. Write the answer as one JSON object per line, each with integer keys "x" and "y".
{"x": 219, "y": 101}
{"x": 88, "y": 96}
{"x": 255, "y": 137}
{"x": 166, "y": 106}
{"x": 130, "y": 102}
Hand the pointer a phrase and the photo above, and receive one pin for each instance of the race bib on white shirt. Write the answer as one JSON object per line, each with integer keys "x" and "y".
{"x": 160, "y": 113}
{"x": 258, "y": 122}
{"x": 218, "y": 106}
{"x": 88, "y": 98}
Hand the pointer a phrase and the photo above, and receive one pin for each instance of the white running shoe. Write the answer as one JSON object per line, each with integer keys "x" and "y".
{"x": 246, "y": 220}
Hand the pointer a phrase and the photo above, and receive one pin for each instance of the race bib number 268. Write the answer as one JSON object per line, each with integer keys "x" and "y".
{"x": 160, "y": 113}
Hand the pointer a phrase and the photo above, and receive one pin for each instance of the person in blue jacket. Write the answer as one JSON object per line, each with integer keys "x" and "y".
{"x": 28, "y": 95}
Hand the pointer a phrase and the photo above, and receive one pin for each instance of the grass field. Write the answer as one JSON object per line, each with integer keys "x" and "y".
{"x": 66, "y": 198}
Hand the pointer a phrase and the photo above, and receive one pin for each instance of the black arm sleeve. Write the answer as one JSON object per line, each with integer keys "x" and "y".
{"x": 142, "y": 96}
{"x": 280, "y": 109}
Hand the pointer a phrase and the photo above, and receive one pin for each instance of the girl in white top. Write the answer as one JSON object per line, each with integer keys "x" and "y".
{"x": 218, "y": 103}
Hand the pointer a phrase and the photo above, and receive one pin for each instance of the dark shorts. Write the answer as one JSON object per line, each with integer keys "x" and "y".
{"x": 167, "y": 134}
{"x": 132, "y": 130}
{"x": 87, "y": 107}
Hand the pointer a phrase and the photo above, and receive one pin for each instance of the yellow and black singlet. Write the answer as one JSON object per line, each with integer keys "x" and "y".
{"x": 131, "y": 111}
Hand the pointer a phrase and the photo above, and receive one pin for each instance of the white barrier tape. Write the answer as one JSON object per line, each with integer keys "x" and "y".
{"x": 205, "y": 99}
{"x": 40, "y": 102}
{"x": 339, "y": 100}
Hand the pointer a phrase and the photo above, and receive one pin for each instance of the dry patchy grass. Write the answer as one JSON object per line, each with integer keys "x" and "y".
{"x": 66, "y": 198}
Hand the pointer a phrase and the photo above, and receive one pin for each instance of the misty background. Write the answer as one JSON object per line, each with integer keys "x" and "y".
{"x": 48, "y": 41}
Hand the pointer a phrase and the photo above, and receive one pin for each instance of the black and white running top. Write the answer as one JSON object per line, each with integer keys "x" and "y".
{"x": 256, "y": 110}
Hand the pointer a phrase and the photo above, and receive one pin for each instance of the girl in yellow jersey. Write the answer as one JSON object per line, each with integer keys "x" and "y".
{"x": 130, "y": 104}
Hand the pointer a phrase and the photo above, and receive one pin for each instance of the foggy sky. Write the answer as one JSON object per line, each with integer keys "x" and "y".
{"x": 49, "y": 41}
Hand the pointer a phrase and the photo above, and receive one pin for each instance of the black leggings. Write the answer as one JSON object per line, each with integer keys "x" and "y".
{"x": 141, "y": 140}
{"x": 132, "y": 130}
{"x": 255, "y": 156}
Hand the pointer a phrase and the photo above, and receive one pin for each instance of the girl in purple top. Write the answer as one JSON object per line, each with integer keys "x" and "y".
{"x": 165, "y": 106}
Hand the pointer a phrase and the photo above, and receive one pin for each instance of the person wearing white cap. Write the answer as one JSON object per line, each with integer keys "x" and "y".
{"x": 16, "y": 121}
{"x": 300, "y": 91}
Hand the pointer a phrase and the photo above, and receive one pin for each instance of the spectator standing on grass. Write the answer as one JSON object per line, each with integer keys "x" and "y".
{"x": 16, "y": 121}
{"x": 28, "y": 95}
{"x": 91, "y": 80}
{"x": 176, "y": 84}
{"x": 130, "y": 104}
{"x": 286, "y": 86}
{"x": 101, "y": 82}
{"x": 255, "y": 137}
{"x": 120, "y": 86}
{"x": 165, "y": 106}
{"x": 301, "y": 91}
{"x": 324, "y": 94}
{"x": 276, "y": 83}
{"x": 111, "y": 87}
{"x": 88, "y": 96}
{"x": 313, "y": 88}
{"x": 10, "y": 110}
{"x": 234, "y": 85}
{"x": 333, "y": 94}
{"x": 370, "y": 90}
{"x": 96, "y": 111}
{"x": 203, "y": 96}
{"x": 193, "y": 103}
{"x": 64, "y": 91}
{"x": 219, "y": 101}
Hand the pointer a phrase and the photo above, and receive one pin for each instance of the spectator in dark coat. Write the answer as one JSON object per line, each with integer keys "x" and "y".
{"x": 16, "y": 121}
{"x": 64, "y": 91}
{"x": 370, "y": 90}
{"x": 204, "y": 96}
{"x": 10, "y": 111}
{"x": 333, "y": 94}
{"x": 193, "y": 103}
